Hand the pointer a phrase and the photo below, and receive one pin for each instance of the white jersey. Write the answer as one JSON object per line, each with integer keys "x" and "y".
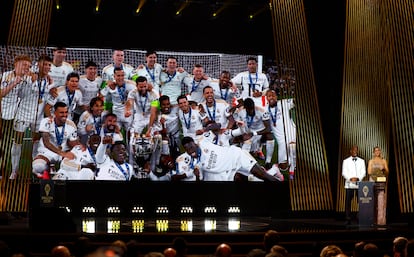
{"x": 172, "y": 85}
{"x": 185, "y": 165}
{"x": 228, "y": 94}
{"x": 171, "y": 123}
{"x": 108, "y": 71}
{"x": 190, "y": 122}
{"x": 28, "y": 106}
{"x": 72, "y": 169}
{"x": 89, "y": 89}
{"x": 43, "y": 88}
{"x": 109, "y": 169}
{"x": 87, "y": 118}
{"x": 195, "y": 88}
{"x": 217, "y": 164}
{"x": 281, "y": 120}
{"x": 222, "y": 139}
{"x": 142, "y": 108}
{"x": 10, "y": 102}
{"x": 71, "y": 99}
{"x": 142, "y": 103}
{"x": 152, "y": 75}
{"x": 255, "y": 123}
{"x": 59, "y": 135}
{"x": 60, "y": 73}
{"x": 250, "y": 82}
{"x": 118, "y": 97}
{"x": 218, "y": 112}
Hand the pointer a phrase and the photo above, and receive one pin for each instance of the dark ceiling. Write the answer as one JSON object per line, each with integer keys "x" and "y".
{"x": 157, "y": 26}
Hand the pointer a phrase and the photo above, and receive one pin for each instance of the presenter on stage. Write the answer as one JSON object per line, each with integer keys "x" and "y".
{"x": 378, "y": 172}
{"x": 353, "y": 171}
{"x": 377, "y": 166}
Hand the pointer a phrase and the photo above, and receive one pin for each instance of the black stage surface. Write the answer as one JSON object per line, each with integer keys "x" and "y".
{"x": 154, "y": 214}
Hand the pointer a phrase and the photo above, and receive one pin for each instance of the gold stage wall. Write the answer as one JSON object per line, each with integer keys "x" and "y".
{"x": 377, "y": 95}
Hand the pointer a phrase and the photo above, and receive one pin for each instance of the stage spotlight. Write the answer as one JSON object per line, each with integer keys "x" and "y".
{"x": 210, "y": 210}
{"x": 139, "y": 7}
{"x": 162, "y": 210}
{"x": 162, "y": 225}
{"x": 88, "y": 225}
{"x": 57, "y": 5}
{"x": 98, "y": 4}
{"x": 186, "y": 225}
{"x": 210, "y": 225}
{"x": 182, "y": 7}
{"x": 186, "y": 210}
{"x": 217, "y": 10}
{"x": 113, "y": 226}
{"x": 233, "y": 210}
{"x": 253, "y": 15}
{"x": 88, "y": 209}
{"x": 137, "y": 210}
{"x": 233, "y": 224}
{"x": 113, "y": 210}
{"x": 138, "y": 226}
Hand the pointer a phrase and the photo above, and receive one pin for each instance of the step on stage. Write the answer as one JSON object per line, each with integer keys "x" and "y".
{"x": 205, "y": 214}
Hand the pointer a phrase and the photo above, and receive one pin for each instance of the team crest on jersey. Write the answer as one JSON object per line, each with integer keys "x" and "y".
{"x": 205, "y": 150}
{"x": 186, "y": 160}
{"x": 266, "y": 115}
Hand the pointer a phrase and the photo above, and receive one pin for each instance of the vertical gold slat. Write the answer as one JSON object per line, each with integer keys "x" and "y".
{"x": 310, "y": 190}
{"x": 29, "y": 28}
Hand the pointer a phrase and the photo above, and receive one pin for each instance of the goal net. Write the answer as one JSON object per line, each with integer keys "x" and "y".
{"x": 213, "y": 63}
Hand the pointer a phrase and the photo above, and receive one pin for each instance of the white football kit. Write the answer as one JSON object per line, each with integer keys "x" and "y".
{"x": 250, "y": 82}
{"x": 218, "y": 163}
{"x": 60, "y": 73}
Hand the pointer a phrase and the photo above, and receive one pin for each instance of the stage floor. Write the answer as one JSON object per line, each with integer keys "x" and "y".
{"x": 113, "y": 225}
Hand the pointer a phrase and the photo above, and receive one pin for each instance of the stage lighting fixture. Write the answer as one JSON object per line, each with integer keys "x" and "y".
{"x": 88, "y": 209}
{"x": 140, "y": 5}
{"x": 210, "y": 210}
{"x": 233, "y": 210}
{"x": 233, "y": 224}
{"x": 186, "y": 225}
{"x": 113, "y": 226}
{"x": 138, "y": 226}
{"x": 162, "y": 225}
{"x": 113, "y": 210}
{"x": 137, "y": 210}
{"x": 88, "y": 225}
{"x": 161, "y": 210}
{"x": 98, "y": 4}
{"x": 210, "y": 225}
{"x": 182, "y": 7}
{"x": 57, "y": 5}
{"x": 186, "y": 210}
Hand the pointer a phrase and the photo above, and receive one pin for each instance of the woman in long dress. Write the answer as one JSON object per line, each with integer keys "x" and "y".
{"x": 378, "y": 172}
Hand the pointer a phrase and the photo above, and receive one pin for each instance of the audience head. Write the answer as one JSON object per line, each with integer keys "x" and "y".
{"x": 60, "y": 251}
{"x": 223, "y": 250}
{"x": 256, "y": 252}
{"x": 180, "y": 245}
{"x": 330, "y": 251}
{"x": 279, "y": 249}
{"x": 399, "y": 246}
{"x": 170, "y": 252}
{"x": 271, "y": 238}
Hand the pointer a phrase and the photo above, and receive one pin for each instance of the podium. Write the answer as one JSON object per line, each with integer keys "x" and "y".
{"x": 372, "y": 203}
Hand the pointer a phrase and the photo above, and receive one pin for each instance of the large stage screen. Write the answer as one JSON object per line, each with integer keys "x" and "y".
{"x": 28, "y": 98}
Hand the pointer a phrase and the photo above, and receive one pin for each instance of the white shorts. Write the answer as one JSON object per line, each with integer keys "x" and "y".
{"x": 52, "y": 156}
